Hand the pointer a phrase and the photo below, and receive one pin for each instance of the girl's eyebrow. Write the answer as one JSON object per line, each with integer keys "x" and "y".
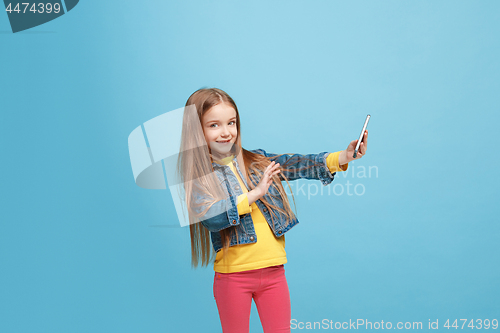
{"x": 217, "y": 120}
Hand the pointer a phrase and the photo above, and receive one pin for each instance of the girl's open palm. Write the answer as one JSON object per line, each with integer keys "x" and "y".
{"x": 271, "y": 170}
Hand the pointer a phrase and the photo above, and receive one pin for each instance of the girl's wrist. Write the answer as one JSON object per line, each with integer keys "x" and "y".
{"x": 343, "y": 159}
{"x": 258, "y": 192}
{"x": 254, "y": 195}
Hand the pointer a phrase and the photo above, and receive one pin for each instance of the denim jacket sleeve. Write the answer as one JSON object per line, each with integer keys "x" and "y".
{"x": 221, "y": 214}
{"x": 296, "y": 166}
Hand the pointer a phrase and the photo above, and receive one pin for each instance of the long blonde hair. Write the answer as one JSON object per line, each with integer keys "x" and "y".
{"x": 195, "y": 163}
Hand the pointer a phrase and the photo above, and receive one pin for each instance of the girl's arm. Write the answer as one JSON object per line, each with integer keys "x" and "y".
{"x": 253, "y": 196}
{"x": 221, "y": 215}
{"x": 296, "y": 166}
{"x": 214, "y": 213}
{"x": 315, "y": 166}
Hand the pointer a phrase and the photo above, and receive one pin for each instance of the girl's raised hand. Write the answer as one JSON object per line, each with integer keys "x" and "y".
{"x": 362, "y": 148}
{"x": 271, "y": 170}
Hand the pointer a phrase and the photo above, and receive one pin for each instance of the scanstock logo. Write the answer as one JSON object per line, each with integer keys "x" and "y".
{"x": 25, "y": 15}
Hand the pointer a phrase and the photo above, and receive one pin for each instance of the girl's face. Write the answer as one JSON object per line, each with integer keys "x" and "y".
{"x": 219, "y": 127}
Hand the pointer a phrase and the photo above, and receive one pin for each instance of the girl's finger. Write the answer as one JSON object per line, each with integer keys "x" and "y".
{"x": 272, "y": 174}
{"x": 365, "y": 137}
{"x": 273, "y": 170}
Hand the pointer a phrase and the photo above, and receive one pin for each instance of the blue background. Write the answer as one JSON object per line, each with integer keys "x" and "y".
{"x": 84, "y": 249}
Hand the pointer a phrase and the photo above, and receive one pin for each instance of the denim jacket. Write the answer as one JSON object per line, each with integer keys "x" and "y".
{"x": 224, "y": 213}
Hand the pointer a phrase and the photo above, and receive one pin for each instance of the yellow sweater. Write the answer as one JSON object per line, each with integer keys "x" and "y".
{"x": 269, "y": 250}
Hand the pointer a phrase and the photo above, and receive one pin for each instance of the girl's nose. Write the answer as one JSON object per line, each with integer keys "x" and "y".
{"x": 225, "y": 131}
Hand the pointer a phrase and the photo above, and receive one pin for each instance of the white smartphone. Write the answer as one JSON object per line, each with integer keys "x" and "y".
{"x": 361, "y": 136}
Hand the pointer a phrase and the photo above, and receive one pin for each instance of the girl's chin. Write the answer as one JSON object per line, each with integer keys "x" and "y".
{"x": 221, "y": 148}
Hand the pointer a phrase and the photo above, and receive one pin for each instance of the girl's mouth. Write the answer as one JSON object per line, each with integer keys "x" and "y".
{"x": 224, "y": 141}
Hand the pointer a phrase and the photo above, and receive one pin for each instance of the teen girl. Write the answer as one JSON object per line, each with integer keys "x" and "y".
{"x": 236, "y": 199}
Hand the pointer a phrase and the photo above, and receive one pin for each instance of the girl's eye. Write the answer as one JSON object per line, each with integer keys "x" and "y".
{"x": 231, "y": 122}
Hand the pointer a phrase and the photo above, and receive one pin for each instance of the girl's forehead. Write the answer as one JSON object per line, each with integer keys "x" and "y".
{"x": 221, "y": 111}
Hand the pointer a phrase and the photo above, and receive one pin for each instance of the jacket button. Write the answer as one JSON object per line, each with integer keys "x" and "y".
{"x": 237, "y": 187}
{"x": 279, "y": 232}
{"x": 252, "y": 238}
{"x": 265, "y": 209}
{"x": 234, "y": 221}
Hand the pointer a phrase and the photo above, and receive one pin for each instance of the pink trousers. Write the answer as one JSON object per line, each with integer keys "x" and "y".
{"x": 233, "y": 293}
